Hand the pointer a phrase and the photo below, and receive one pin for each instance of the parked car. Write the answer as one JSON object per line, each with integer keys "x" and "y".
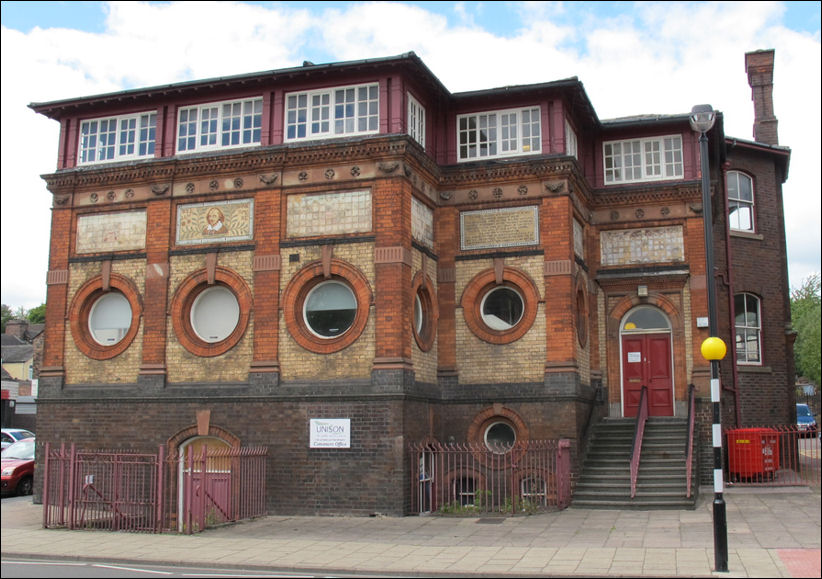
{"x": 18, "y": 468}
{"x": 12, "y": 435}
{"x": 805, "y": 421}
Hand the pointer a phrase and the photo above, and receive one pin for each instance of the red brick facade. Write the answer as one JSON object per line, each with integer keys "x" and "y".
{"x": 392, "y": 221}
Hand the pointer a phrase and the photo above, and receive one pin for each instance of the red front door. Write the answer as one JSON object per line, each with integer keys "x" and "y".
{"x": 646, "y": 361}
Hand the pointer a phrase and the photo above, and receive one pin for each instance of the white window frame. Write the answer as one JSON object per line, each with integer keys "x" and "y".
{"x": 339, "y": 111}
{"x": 416, "y": 120}
{"x": 738, "y": 201}
{"x": 117, "y": 138}
{"x": 499, "y": 133}
{"x": 747, "y": 329}
{"x": 109, "y": 319}
{"x": 571, "y": 142}
{"x": 649, "y": 159}
{"x": 207, "y": 127}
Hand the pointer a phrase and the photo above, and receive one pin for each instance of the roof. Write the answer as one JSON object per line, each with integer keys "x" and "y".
{"x": 57, "y": 109}
{"x": 17, "y": 354}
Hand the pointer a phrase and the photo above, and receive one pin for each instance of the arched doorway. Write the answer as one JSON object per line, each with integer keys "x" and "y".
{"x": 646, "y": 360}
{"x": 206, "y": 481}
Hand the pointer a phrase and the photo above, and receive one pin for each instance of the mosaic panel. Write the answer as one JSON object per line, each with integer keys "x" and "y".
{"x": 215, "y": 222}
{"x": 111, "y": 232}
{"x": 422, "y": 223}
{"x": 648, "y": 245}
{"x": 328, "y": 214}
{"x": 507, "y": 227}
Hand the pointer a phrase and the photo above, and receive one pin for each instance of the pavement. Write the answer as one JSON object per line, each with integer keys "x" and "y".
{"x": 771, "y": 532}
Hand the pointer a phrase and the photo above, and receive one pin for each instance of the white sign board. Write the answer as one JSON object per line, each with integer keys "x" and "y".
{"x": 329, "y": 433}
{"x": 634, "y": 356}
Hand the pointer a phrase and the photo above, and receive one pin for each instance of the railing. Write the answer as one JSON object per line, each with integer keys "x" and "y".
{"x": 639, "y": 432}
{"x": 470, "y": 478}
{"x": 689, "y": 445}
{"x": 127, "y": 491}
{"x": 772, "y": 456}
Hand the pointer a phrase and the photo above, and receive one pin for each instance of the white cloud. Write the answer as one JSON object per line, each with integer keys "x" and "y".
{"x": 651, "y": 60}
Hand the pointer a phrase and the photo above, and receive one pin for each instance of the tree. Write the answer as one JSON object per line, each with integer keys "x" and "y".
{"x": 37, "y": 315}
{"x": 806, "y": 313}
{"x": 7, "y": 315}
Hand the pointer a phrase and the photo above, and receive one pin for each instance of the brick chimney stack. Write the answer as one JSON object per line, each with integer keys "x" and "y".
{"x": 17, "y": 328}
{"x": 759, "y": 66}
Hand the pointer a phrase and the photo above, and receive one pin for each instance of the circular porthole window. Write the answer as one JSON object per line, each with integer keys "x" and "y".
{"x": 109, "y": 319}
{"x": 425, "y": 312}
{"x": 500, "y": 437}
{"x": 214, "y": 314}
{"x": 326, "y": 307}
{"x": 502, "y": 308}
{"x": 210, "y": 317}
{"x": 105, "y": 320}
{"x": 330, "y": 309}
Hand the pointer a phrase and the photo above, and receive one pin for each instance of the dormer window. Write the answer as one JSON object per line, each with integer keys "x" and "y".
{"x": 637, "y": 160}
{"x": 219, "y": 125}
{"x": 117, "y": 138}
{"x": 499, "y": 134}
{"x": 336, "y": 112}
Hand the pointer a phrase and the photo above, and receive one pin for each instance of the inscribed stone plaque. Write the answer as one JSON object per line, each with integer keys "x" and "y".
{"x": 649, "y": 245}
{"x": 422, "y": 223}
{"x": 507, "y": 227}
{"x": 111, "y": 232}
{"x": 215, "y": 222}
{"x": 329, "y": 214}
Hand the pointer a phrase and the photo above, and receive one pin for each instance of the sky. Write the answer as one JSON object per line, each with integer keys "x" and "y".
{"x": 632, "y": 58}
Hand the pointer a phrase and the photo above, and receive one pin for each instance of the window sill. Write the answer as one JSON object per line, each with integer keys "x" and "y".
{"x": 754, "y": 369}
{"x": 747, "y": 234}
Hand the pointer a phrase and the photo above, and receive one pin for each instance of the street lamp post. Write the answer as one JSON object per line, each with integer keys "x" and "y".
{"x": 713, "y": 349}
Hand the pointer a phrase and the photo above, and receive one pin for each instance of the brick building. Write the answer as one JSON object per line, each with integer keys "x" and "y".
{"x": 242, "y": 258}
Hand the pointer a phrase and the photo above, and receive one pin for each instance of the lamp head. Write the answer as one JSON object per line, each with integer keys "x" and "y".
{"x": 713, "y": 349}
{"x": 702, "y": 118}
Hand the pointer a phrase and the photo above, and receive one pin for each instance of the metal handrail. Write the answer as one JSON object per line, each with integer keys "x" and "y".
{"x": 689, "y": 446}
{"x": 639, "y": 432}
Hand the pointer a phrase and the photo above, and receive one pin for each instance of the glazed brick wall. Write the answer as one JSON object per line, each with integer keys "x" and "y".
{"x": 361, "y": 480}
{"x": 182, "y": 365}
{"x": 123, "y": 369}
{"x": 425, "y": 363}
{"x": 479, "y": 361}
{"x": 355, "y": 361}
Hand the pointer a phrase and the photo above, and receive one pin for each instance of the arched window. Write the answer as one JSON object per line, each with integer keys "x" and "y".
{"x": 748, "y": 328}
{"x": 740, "y": 202}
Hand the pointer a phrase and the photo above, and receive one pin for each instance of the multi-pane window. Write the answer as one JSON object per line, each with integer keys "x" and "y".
{"x": 499, "y": 134}
{"x": 117, "y": 138}
{"x": 571, "y": 146}
{"x": 416, "y": 121}
{"x": 219, "y": 125}
{"x": 635, "y": 160}
{"x": 748, "y": 329}
{"x": 352, "y": 110}
{"x": 740, "y": 202}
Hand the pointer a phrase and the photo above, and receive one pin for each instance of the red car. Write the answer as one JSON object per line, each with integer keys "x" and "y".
{"x": 18, "y": 468}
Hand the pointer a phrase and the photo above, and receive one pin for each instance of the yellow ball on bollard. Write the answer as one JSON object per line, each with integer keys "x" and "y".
{"x": 713, "y": 349}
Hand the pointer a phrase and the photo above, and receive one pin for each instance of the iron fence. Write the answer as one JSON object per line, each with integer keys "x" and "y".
{"x": 772, "y": 456}
{"x": 129, "y": 491}
{"x": 465, "y": 478}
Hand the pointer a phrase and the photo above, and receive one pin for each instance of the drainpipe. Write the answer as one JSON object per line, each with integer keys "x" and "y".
{"x": 729, "y": 282}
